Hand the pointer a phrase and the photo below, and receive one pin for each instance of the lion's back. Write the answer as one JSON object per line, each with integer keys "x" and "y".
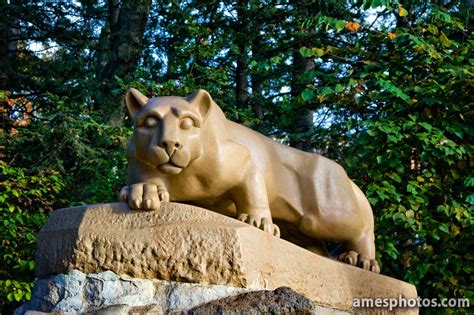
{"x": 286, "y": 169}
{"x": 266, "y": 152}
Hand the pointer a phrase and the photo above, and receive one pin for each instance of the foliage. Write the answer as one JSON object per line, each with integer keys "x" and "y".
{"x": 389, "y": 98}
{"x": 68, "y": 160}
{"x": 89, "y": 155}
{"x": 406, "y": 109}
{"x": 25, "y": 198}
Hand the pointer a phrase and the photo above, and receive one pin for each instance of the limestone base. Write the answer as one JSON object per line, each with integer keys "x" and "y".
{"x": 109, "y": 293}
{"x": 76, "y": 292}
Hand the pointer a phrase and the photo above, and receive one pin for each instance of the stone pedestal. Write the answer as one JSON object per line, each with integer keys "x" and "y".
{"x": 183, "y": 243}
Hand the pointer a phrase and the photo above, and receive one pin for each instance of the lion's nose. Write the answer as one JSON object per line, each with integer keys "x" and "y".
{"x": 169, "y": 146}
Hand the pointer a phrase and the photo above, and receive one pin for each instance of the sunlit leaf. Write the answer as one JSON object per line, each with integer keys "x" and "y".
{"x": 446, "y": 42}
{"x": 318, "y": 52}
{"x": 401, "y": 10}
{"x": 352, "y": 26}
{"x": 340, "y": 25}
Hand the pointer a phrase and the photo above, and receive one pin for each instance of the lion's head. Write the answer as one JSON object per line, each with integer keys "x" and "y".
{"x": 168, "y": 133}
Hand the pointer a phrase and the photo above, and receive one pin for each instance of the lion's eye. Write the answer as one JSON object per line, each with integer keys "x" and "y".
{"x": 186, "y": 123}
{"x": 151, "y": 122}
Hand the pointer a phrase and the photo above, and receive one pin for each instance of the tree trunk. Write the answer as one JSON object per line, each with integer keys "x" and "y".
{"x": 9, "y": 43}
{"x": 124, "y": 30}
{"x": 241, "y": 80}
{"x": 256, "y": 99}
{"x": 303, "y": 121}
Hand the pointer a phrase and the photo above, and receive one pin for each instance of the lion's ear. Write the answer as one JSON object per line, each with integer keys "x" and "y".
{"x": 134, "y": 101}
{"x": 202, "y": 101}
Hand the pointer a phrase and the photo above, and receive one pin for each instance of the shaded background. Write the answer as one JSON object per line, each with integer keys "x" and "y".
{"x": 382, "y": 87}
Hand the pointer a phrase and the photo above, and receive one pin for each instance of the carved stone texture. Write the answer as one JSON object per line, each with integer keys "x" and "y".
{"x": 183, "y": 149}
{"x": 190, "y": 244}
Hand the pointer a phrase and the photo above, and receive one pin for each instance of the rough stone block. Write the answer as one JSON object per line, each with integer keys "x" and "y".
{"x": 190, "y": 244}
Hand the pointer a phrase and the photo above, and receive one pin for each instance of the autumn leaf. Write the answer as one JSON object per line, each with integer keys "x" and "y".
{"x": 402, "y": 11}
{"x": 391, "y": 35}
{"x": 455, "y": 229}
{"x": 352, "y": 26}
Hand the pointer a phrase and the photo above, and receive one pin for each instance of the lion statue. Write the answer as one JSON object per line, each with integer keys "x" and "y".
{"x": 184, "y": 149}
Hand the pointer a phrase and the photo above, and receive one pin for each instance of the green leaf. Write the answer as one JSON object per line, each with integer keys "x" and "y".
{"x": 375, "y": 3}
{"x": 443, "y": 227}
{"x": 370, "y": 132}
{"x": 469, "y": 182}
{"x": 306, "y": 52}
{"x": 340, "y": 25}
{"x": 470, "y": 199}
{"x": 394, "y": 90}
{"x": 446, "y": 42}
{"x": 411, "y": 189}
{"x": 399, "y": 217}
{"x": 318, "y": 51}
{"x": 426, "y": 126}
{"x": 388, "y": 129}
{"x": 391, "y": 250}
{"x": 433, "y": 29}
{"x": 456, "y": 131}
{"x": 276, "y": 59}
{"x": 307, "y": 94}
{"x": 327, "y": 90}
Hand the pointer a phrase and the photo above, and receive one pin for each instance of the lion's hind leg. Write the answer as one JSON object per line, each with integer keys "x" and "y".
{"x": 361, "y": 252}
{"x": 358, "y": 247}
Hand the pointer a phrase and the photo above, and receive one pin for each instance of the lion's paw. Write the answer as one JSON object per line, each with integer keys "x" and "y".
{"x": 260, "y": 222}
{"x": 143, "y": 196}
{"x": 163, "y": 194}
{"x": 355, "y": 259}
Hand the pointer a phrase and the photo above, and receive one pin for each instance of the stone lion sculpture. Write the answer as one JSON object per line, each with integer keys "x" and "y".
{"x": 184, "y": 149}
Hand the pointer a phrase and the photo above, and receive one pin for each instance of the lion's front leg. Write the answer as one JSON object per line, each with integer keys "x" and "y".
{"x": 251, "y": 201}
{"x": 144, "y": 196}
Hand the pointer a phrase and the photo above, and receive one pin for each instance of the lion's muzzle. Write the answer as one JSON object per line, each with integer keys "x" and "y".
{"x": 169, "y": 146}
